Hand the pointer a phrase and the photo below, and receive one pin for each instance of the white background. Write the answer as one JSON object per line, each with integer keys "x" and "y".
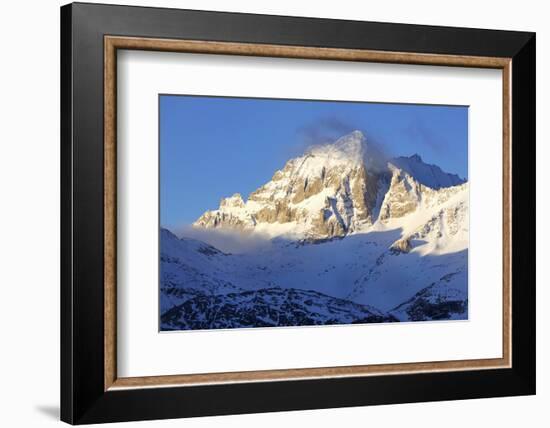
{"x": 142, "y": 351}
{"x": 29, "y": 218}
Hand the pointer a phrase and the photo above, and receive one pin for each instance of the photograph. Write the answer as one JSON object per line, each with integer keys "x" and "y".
{"x": 292, "y": 213}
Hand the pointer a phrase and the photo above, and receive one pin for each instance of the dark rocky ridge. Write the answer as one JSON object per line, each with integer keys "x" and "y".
{"x": 271, "y": 307}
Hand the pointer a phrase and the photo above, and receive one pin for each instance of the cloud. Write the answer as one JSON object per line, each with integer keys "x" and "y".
{"x": 325, "y": 130}
{"x": 226, "y": 240}
{"x": 425, "y": 135}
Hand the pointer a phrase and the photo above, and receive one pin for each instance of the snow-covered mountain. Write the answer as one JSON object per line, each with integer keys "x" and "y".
{"x": 358, "y": 239}
{"x": 332, "y": 190}
{"x": 426, "y": 174}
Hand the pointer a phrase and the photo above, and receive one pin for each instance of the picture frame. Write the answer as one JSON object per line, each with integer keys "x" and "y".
{"x": 91, "y": 390}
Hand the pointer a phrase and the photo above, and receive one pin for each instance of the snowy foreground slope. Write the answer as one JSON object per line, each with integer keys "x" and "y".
{"x": 347, "y": 239}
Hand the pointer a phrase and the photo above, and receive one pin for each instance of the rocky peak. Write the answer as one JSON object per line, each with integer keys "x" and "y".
{"x": 343, "y": 154}
{"x": 235, "y": 201}
{"x": 349, "y": 148}
{"x": 426, "y": 174}
{"x": 402, "y": 197}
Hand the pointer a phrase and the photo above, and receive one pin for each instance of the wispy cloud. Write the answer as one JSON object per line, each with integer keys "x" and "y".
{"x": 425, "y": 135}
{"x": 324, "y": 130}
{"x": 226, "y": 240}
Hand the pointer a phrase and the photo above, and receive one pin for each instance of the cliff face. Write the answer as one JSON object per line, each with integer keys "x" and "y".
{"x": 331, "y": 191}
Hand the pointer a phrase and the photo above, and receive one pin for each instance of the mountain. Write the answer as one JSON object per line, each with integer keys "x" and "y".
{"x": 426, "y": 174}
{"x": 270, "y": 307}
{"x": 354, "y": 239}
{"x": 331, "y": 191}
{"x": 444, "y": 299}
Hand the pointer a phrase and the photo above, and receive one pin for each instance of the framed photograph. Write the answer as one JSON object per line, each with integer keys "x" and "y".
{"x": 265, "y": 213}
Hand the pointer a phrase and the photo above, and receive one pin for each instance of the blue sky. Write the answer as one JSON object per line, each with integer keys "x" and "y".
{"x": 213, "y": 147}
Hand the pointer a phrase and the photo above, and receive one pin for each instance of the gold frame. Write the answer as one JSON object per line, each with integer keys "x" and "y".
{"x": 113, "y": 43}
